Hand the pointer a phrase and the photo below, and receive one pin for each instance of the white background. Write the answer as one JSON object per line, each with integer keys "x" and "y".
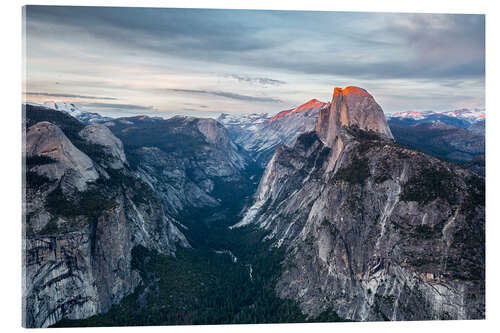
{"x": 10, "y": 158}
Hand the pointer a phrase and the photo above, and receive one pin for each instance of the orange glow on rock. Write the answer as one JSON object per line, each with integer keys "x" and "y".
{"x": 350, "y": 90}
{"x": 313, "y": 103}
{"x": 337, "y": 91}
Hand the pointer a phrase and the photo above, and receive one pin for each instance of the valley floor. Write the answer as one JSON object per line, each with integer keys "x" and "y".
{"x": 228, "y": 277}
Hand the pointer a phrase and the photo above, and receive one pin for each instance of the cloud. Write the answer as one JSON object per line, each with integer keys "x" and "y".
{"x": 361, "y": 45}
{"x": 226, "y": 95}
{"x": 156, "y": 29}
{"x": 130, "y": 52}
{"x": 257, "y": 80}
{"x": 191, "y": 105}
{"x": 117, "y": 106}
{"x": 67, "y": 95}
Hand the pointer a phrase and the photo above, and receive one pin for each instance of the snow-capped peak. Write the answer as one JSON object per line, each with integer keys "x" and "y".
{"x": 463, "y": 114}
{"x": 73, "y": 110}
{"x": 69, "y": 108}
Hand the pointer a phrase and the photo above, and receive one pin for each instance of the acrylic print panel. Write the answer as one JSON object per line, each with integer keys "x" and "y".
{"x": 197, "y": 166}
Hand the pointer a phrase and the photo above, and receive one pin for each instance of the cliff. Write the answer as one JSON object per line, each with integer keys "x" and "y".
{"x": 371, "y": 230}
{"x": 84, "y": 213}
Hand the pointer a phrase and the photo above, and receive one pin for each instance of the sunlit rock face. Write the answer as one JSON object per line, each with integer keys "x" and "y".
{"x": 351, "y": 107}
{"x": 313, "y": 104}
{"x": 372, "y": 231}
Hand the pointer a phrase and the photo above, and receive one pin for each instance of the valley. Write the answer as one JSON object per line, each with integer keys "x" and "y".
{"x": 315, "y": 214}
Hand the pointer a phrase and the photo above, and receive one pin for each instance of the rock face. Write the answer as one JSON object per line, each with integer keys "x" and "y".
{"x": 83, "y": 216}
{"x": 95, "y": 192}
{"x": 372, "y": 230}
{"x": 260, "y": 134}
{"x": 189, "y": 161}
{"x": 78, "y": 266}
{"x": 101, "y": 135}
{"x": 46, "y": 139}
{"x": 351, "y": 107}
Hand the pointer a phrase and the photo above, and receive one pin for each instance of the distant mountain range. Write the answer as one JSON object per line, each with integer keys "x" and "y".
{"x": 462, "y": 116}
{"x": 260, "y": 134}
{"x": 457, "y": 136}
{"x": 73, "y": 110}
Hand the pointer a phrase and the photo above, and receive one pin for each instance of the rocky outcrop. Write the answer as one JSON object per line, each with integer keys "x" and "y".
{"x": 77, "y": 245}
{"x": 82, "y": 265}
{"x": 57, "y": 279}
{"x": 47, "y": 140}
{"x": 351, "y": 107}
{"x": 101, "y": 135}
{"x": 372, "y": 230}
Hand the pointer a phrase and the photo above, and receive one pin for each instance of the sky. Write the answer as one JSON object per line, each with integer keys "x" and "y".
{"x": 202, "y": 62}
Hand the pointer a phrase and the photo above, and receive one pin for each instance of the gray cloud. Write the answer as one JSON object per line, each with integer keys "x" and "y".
{"x": 157, "y": 29}
{"x": 257, "y": 80}
{"x": 226, "y": 95}
{"x": 191, "y": 105}
{"x": 392, "y": 46}
{"x": 388, "y": 52}
{"x": 67, "y": 95}
{"x": 377, "y": 45}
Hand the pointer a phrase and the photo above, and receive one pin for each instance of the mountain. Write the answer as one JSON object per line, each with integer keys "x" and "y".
{"x": 147, "y": 241}
{"x": 460, "y": 118}
{"x": 371, "y": 230}
{"x": 89, "y": 203}
{"x": 73, "y": 110}
{"x": 150, "y": 221}
{"x": 351, "y": 107}
{"x": 479, "y": 127}
{"x": 260, "y": 134}
{"x": 465, "y": 146}
{"x": 457, "y": 136}
{"x": 100, "y": 195}
{"x": 190, "y": 161}
{"x": 246, "y": 122}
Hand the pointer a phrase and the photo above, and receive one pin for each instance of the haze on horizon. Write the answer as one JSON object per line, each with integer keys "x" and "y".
{"x": 161, "y": 62}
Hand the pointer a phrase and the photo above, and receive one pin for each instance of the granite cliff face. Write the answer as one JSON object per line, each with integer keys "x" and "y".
{"x": 191, "y": 162}
{"x": 99, "y": 134}
{"x": 372, "y": 230}
{"x": 47, "y": 140}
{"x": 351, "y": 107}
{"x": 84, "y": 212}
